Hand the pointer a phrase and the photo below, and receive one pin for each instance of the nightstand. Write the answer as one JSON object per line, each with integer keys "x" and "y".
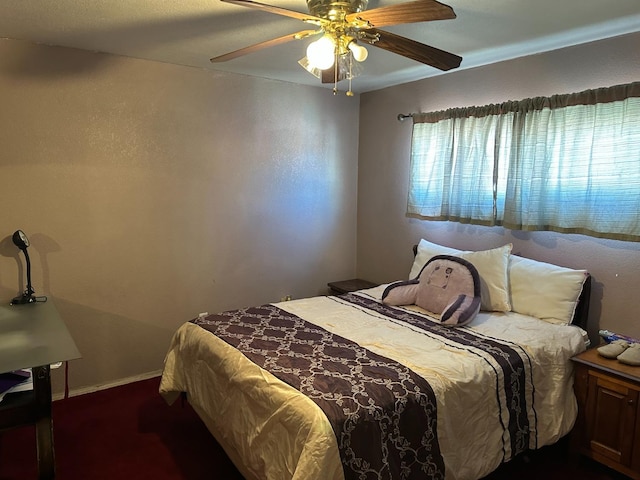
{"x": 606, "y": 429}
{"x": 346, "y": 286}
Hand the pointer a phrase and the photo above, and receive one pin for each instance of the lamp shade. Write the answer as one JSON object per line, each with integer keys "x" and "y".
{"x": 20, "y": 240}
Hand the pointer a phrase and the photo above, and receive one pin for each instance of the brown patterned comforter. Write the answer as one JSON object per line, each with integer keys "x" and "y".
{"x": 382, "y": 413}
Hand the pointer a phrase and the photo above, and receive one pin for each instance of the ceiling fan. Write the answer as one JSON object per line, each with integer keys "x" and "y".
{"x": 344, "y": 25}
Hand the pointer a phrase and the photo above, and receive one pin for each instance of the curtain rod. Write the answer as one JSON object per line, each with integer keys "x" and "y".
{"x": 402, "y": 116}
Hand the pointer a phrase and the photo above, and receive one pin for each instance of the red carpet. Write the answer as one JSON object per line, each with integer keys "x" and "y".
{"x": 120, "y": 433}
{"x": 129, "y": 432}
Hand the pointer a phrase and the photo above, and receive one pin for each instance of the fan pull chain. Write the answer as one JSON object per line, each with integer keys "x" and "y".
{"x": 349, "y": 92}
{"x": 335, "y": 73}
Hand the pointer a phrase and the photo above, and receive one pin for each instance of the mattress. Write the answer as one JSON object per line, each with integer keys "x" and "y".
{"x": 489, "y": 408}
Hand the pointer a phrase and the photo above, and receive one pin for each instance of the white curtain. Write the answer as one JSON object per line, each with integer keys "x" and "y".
{"x": 568, "y": 163}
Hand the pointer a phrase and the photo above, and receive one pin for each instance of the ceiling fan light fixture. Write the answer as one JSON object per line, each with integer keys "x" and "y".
{"x": 322, "y": 52}
{"x": 344, "y": 26}
{"x": 359, "y": 53}
{"x": 333, "y": 9}
{"x": 304, "y": 63}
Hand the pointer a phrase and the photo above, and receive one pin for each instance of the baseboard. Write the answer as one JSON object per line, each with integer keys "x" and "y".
{"x": 96, "y": 388}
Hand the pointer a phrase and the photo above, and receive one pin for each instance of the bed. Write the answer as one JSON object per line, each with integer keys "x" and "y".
{"x": 346, "y": 387}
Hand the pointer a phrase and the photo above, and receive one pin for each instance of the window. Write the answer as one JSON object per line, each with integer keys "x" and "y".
{"x": 568, "y": 163}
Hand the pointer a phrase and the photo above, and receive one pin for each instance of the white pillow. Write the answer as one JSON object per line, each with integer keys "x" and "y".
{"x": 491, "y": 265}
{"x": 543, "y": 290}
{"x": 426, "y": 251}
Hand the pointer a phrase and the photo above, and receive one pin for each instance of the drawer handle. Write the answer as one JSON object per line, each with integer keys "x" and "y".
{"x": 630, "y": 402}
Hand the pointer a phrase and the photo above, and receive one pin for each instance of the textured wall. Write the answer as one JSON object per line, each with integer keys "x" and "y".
{"x": 152, "y": 192}
{"x": 385, "y": 234}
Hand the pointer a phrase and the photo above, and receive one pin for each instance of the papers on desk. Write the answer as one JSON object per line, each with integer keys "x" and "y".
{"x": 16, "y": 381}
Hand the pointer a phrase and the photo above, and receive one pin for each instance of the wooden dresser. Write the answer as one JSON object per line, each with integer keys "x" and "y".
{"x": 608, "y": 425}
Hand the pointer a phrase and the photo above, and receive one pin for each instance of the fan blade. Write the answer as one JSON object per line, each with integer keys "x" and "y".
{"x": 417, "y": 51}
{"x": 410, "y": 12}
{"x": 305, "y": 17}
{"x": 261, "y": 45}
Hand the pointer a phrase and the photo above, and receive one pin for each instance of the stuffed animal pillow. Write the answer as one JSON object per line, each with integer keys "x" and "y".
{"x": 447, "y": 286}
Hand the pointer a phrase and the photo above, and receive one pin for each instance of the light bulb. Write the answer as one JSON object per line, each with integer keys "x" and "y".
{"x": 321, "y": 53}
{"x": 360, "y": 53}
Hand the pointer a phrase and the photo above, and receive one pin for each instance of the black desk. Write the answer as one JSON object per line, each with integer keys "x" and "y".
{"x": 33, "y": 336}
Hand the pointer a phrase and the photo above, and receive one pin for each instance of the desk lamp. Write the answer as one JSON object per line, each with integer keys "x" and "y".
{"x": 22, "y": 242}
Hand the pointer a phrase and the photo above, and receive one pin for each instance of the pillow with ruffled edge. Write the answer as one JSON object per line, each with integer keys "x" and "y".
{"x": 492, "y": 266}
{"x": 543, "y": 290}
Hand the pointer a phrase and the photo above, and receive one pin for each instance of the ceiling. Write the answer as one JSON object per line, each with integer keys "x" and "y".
{"x": 189, "y": 32}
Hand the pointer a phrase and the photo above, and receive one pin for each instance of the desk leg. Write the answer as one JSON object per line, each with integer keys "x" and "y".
{"x": 44, "y": 424}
